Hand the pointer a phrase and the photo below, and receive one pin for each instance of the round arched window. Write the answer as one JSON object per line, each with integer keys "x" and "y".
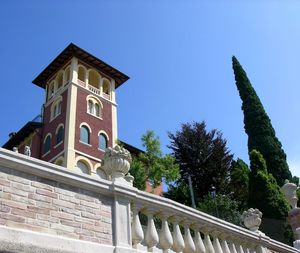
{"x": 82, "y": 167}
{"x": 101, "y": 173}
{"x": 102, "y": 141}
{"x": 84, "y": 134}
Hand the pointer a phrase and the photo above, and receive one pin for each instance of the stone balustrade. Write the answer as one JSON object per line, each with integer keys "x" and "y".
{"x": 77, "y": 206}
{"x": 173, "y": 227}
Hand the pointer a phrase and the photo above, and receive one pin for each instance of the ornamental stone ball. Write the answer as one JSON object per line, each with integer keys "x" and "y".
{"x": 117, "y": 163}
{"x": 27, "y": 151}
{"x": 15, "y": 149}
{"x": 252, "y": 219}
{"x": 290, "y": 192}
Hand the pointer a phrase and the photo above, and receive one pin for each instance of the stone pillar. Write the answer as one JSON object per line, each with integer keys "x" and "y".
{"x": 116, "y": 165}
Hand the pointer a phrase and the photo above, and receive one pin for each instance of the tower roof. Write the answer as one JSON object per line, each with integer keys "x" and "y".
{"x": 74, "y": 51}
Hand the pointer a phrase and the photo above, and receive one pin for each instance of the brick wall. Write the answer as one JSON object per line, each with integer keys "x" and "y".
{"x": 46, "y": 206}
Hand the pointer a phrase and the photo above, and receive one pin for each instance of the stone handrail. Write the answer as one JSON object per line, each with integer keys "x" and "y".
{"x": 210, "y": 234}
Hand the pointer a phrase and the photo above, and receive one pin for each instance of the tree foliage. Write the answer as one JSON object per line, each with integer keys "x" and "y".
{"x": 203, "y": 155}
{"x": 239, "y": 182}
{"x": 266, "y": 195}
{"x": 261, "y": 134}
{"x": 264, "y": 192}
{"x": 152, "y": 165}
{"x": 221, "y": 206}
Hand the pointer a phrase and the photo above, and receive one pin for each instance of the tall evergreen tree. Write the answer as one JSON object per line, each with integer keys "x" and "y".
{"x": 266, "y": 195}
{"x": 258, "y": 127}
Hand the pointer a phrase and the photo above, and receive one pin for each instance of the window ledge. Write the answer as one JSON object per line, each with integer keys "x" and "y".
{"x": 58, "y": 144}
{"x": 48, "y": 152}
{"x": 85, "y": 143}
{"x": 102, "y": 150}
{"x": 54, "y": 117}
{"x": 98, "y": 117}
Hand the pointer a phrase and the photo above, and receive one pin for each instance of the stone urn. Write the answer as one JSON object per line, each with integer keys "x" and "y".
{"x": 252, "y": 219}
{"x": 117, "y": 163}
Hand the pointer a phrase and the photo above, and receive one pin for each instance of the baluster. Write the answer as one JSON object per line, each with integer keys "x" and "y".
{"x": 261, "y": 249}
{"x": 232, "y": 247}
{"x": 151, "y": 237}
{"x": 188, "y": 240}
{"x": 217, "y": 245}
{"x": 178, "y": 242}
{"x": 225, "y": 247}
{"x": 165, "y": 236}
{"x": 208, "y": 245}
{"x": 251, "y": 249}
{"x": 137, "y": 230}
{"x": 240, "y": 249}
{"x": 200, "y": 248}
{"x": 246, "y": 250}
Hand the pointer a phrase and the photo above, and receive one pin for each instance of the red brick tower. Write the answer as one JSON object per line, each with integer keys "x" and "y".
{"x": 80, "y": 113}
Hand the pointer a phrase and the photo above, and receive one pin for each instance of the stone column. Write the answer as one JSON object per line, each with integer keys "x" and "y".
{"x": 116, "y": 164}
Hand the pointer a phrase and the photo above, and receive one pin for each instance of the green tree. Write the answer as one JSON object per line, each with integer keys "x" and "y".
{"x": 266, "y": 195}
{"x": 221, "y": 206}
{"x": 261, "y": 134}
{"x": 203, "y": 156}
{"x": 152, "y": 165}
{"x": 239, "y": 182}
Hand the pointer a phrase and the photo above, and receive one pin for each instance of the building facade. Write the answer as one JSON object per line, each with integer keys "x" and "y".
{"x": 79, "y": 115}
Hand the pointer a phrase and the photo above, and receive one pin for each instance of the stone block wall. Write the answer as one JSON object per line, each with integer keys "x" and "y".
{"x": 46, "y": 206}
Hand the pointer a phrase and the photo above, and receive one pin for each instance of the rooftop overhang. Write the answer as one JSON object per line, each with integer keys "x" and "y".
{"x": 74, "y": 51}
{"x": 20, "y": 136}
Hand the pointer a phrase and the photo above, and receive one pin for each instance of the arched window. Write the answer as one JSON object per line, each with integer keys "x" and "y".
{"x": 94, "y": 106}
{"x": 60, "y": 135}
{"x": 47, "y": 144}
{"x": 51, "y": 90}
{"x": 102, "y": 141}
{"x": 93, "y": 79}
{"x": 81, "y": 73}
{"x": 106, "y": 88}
{"x": 56, "y": 108}
{"x": 97, "y": 110}
{"x": 90, "y": 107}
{"x": 67, "y": 75}
{"x": 100, "y": 173}
{"x": 59, "y": 80}
{"x": 83, "y": 167}
{"x": 84, "y": 134}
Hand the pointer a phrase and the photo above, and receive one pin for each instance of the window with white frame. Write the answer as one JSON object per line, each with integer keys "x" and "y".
{"x": 103, "y": 142}
{"x": 51, "y": 90}
{"x": 59, "y": 80}
{"x": 47, "y": 144}
{"x": 82, "y": 167}
{"x": 84, "y": 134}
{"x": 60, "y": 134}
{"x": 56, "y": 108}
{"x": 101, "y": 173}
{"x": 94, "y": 106}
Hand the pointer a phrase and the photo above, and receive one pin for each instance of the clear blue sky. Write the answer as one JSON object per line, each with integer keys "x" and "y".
{"x": 177, "y": 53}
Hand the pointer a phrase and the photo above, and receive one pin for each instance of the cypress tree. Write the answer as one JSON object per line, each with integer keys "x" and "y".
{"x": 258, "y": 127}
{"x": 266, "y": 195}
